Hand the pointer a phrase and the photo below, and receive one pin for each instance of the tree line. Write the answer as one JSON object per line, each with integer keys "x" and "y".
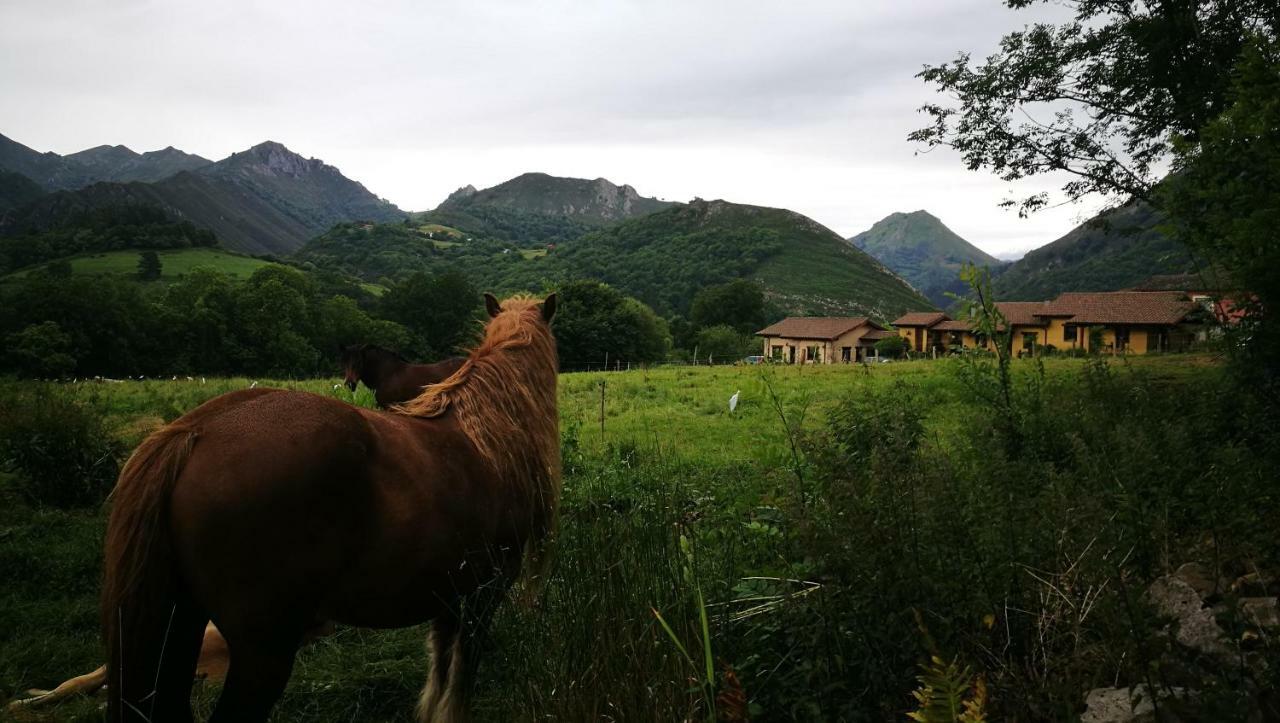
{"x": 285, "y": 321}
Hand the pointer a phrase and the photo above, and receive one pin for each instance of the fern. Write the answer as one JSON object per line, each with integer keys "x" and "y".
{"x": 949, "y": 693}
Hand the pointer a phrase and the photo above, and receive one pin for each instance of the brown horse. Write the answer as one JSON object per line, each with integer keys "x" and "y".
{"x": 391, "y": 377}
{"x": 266, "y": 511}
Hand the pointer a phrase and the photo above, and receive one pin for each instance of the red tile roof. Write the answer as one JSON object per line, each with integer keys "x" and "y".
{"x": 1022, "y": 313}
{"x": 1121, "y": 307}
{"x": 814, "y": 327}
{"x": 920, "y": 318}
{"x": 953, "y": 325}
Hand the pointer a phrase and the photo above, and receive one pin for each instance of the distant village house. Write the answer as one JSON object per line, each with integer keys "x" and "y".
{"x": 822, "y": 339}
{"x": 1132, "y": 322}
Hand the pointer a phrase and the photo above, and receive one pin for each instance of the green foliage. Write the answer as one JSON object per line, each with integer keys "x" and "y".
{"x": 738, "y": 304}
{"x": 1225, "y": 200}
{"x": 595, "y": 322}
{"x": 893, "y": 347}
{"x": 723, "y": 343}
{"x": 149, "y": 266}
{"x": 40, "y": 350}
{"x": 440, "y": 311}
{"x": 1138, "y": 73}
{"x": 57, "y": 447}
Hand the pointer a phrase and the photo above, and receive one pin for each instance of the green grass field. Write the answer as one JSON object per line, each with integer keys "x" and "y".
{"x": 174, "y": 263}
{"x": 810, "y": 560}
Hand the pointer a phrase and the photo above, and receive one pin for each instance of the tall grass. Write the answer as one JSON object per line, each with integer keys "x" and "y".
{"x": 794, "y": 582}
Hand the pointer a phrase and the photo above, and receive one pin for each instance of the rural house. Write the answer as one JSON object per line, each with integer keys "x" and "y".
{"x": 821, "y": 339}
{"x": 1134, "y": 322}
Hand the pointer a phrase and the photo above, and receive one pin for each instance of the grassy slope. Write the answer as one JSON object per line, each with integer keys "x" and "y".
{"x": 174, "y": 262}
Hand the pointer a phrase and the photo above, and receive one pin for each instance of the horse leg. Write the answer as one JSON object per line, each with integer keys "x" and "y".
{"x": 178, "y": 663}
{"x": 260, "y": 670}
{"x": 158, "y": 665}
{"x": 442, "y": 643}
{"x": 472, "y": 640}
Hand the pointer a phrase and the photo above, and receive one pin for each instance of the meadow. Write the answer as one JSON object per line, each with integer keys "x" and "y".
{"x": 174, "y": 263}
{"x": 802, "y": 557}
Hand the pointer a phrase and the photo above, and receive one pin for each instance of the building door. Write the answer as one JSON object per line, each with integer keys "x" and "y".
{"x": 792, "y": 349}
{"x": 919, "y": 345}
{"x": 846, "y": 354}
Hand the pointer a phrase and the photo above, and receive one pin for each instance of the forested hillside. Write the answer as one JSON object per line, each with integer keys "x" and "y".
{"x": 1115, "y": 250}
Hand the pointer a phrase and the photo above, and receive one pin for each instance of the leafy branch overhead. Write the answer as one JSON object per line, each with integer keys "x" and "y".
{"x": 1100, "y": 97}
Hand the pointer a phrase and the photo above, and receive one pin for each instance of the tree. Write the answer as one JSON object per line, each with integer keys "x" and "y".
{"x": 41, "y": 350}
{"x": 893, "y": 347}
{"x": 723, "y": 343}
{"x": 149, "y": 266}
{"x": 738, "y": 304}
{"x": 441, "y": 311}
{"x": 1225, "y": 194}
{"x": 1098, "y": 97}
{"x": 595, "y": 323}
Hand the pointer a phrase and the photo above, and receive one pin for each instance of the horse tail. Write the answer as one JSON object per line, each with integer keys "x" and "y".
{"x": 140, "y": 590}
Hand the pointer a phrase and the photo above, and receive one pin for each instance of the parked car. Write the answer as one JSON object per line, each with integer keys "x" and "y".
{"x": 755, "y": 359}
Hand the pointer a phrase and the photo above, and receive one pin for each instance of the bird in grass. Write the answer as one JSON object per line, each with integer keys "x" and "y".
{"x": 733, "y": 401}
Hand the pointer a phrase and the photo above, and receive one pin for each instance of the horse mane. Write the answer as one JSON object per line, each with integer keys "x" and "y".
{"x": 504, "y": 398}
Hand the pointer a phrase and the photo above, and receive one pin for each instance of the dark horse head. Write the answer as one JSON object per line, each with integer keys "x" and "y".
{"x": 367, "y": 363}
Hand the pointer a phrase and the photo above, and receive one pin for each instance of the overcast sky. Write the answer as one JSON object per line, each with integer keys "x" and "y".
{"x": 802, "y": 105}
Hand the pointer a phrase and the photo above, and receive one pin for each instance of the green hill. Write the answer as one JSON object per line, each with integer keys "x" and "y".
{"x": 174, "y": 263}
{"x": 921, "y": 249}
{"x": 663, "y": 259}
{"x": 1115, "y": 250}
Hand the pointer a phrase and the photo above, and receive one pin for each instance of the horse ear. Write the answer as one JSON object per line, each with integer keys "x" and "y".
{"x": 491, "y": 304}
{"x": 549, "y": 308}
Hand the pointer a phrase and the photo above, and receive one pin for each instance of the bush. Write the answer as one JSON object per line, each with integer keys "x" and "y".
{"x": 893, "y": 347}
{"x": 58, "y": 449}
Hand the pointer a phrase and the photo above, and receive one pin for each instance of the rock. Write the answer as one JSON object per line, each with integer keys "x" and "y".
{"x": 1260, "y": 611}
{"x": 1197, "y": 628}
{"x": 1124, "y": 705}
{"x": 1199, "y": 577}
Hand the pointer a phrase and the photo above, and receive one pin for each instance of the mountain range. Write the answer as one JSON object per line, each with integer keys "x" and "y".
{"x": 922, "y": 250}
{"x": 266, "y": 199}
{"x": 270, "y": 200}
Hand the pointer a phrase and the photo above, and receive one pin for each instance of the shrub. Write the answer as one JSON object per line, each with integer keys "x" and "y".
{"x": 893, "y": 347}
{"x": 58, "y": 449}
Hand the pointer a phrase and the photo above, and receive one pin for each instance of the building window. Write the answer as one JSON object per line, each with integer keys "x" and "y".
{"x": 1029, "y": 340}
{"x": 776, "y": 352}
{"x": 846, "y": 352}
{"x": 813, "y": 353}
{"x": 1069, "y": 333}
{"x": 1122, "y": 338}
